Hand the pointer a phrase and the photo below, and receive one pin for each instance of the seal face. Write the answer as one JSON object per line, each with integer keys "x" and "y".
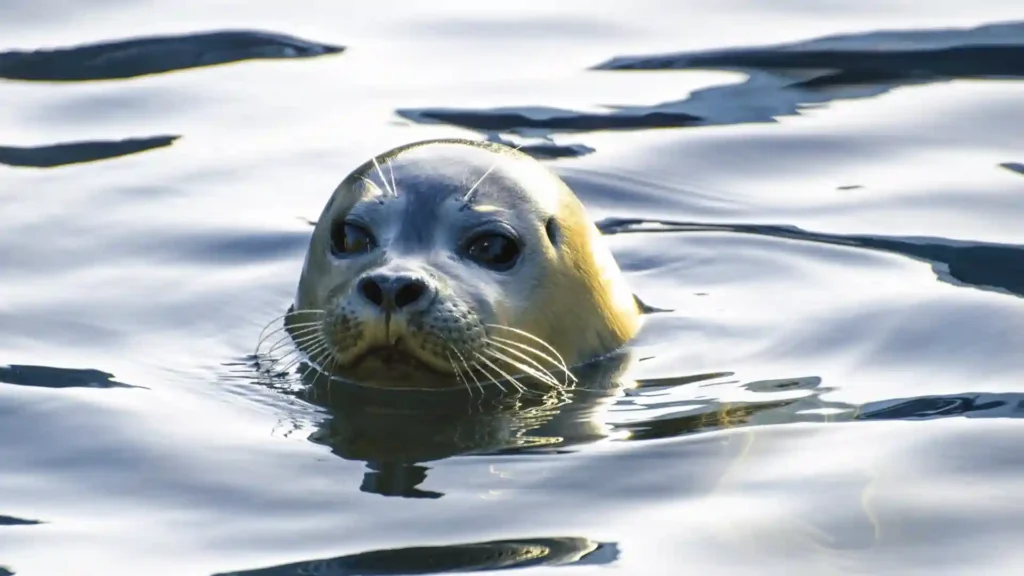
{"x": 454, "y": 263}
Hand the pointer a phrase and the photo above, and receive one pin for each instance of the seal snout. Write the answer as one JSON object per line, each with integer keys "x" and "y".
{"x": 393, "y": 293}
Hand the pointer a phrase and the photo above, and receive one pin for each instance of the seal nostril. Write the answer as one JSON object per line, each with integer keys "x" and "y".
{"x": 371, "y": 290}
{"x": 409, "y": 292}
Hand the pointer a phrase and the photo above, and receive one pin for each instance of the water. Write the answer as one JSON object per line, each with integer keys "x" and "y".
{"x": 831, "y": 215}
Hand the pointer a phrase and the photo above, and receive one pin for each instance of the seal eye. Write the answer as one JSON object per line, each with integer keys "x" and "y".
{"x": 494, "y": 251}
{"x": 349, "y": 239}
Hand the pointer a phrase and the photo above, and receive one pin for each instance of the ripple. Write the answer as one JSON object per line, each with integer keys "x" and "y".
{"x": 134, "y": 57}
{"x": 781, "y": 80}
{"x": 471, "y": 557}
{"x": 55, "y": 155}
{"x": 788, "y": 401}
{"x": 984, "y": 266}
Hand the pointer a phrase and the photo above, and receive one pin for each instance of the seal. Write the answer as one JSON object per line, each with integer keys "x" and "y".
{"x": 447, "y": 263}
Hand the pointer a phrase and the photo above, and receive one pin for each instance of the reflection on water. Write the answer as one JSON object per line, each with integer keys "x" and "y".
{"x": 12, "y": 521}
{"x": 54, "y": 155}
{"x": 981, "y": 265}
{"x": 395, "y": 432}
{"x": 154, "y": 55}
{"x": 1013, "y": 167}
{"x": 108, "y": 474}
{"x": 781, "y": 80}
{"x": 470, "y": 557}
{"x": 51, "y": 377}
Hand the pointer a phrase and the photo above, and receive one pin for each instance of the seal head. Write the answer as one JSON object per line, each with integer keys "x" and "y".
{"x": 455, "y": 263}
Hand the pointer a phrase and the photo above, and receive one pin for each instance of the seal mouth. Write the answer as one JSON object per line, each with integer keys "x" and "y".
{"x": 392, "y": 356}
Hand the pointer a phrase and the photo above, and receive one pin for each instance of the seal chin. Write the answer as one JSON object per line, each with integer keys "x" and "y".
{"x": 397, "y": 365}
{"x": 388, "y": 357}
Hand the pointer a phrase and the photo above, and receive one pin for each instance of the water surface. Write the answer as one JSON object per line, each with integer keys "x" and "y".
{"x": 824, "y": 203}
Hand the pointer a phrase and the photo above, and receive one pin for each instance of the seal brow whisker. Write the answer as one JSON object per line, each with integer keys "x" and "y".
{"x": 469, "y": 195}
{"x": 383, "y": 178}
{"x": 391, "y": 169}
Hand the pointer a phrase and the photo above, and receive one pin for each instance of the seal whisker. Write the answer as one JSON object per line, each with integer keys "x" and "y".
{"x": 468, "y": 369}
{"x": 508, "y": 377}
{"x": 316, "y": 347}
{"x": 391, "y": 169}
{"x": 294, "y": 334}
{"x": 315, "y": 358}
{"x": 490, "y": 377}
{"x": 547, "y": 373}
{"x": 298, "y": 342}
{"x": 314, "y": 363}
{"x": 369, "y": 182}
{"x": 286, "y": 315}
{"x": 469, "y": 195}
{"x": 264, "y": 335}
{"x": 383, "y": 178}
{"x": 560, "y": 362}
{"x": 543, "y": 376}
{"x": 458, "y": 373}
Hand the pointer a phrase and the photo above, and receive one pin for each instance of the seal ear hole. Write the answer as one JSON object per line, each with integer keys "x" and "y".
{"x": 551, "y": 228}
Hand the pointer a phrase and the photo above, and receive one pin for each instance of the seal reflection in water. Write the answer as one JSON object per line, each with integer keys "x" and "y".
{"x": 458, "y": 263}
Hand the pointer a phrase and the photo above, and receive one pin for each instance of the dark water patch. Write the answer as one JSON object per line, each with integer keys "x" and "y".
{"x": 980, "y": 265}
{"x": 674, "y": 381}
{"x": 553, "y": 151}
{"x": 968, "y": 405}
{"x": 55, "y": 155}
{"x": 50, "y": 377}
{"x": 142, "y": 56}
{"x": 12, "y": 521}
{"x": 785, "y": 78}
{"x": 4, "y": 571}
{"x": 874, "y": 58}
{"x": 548, "y": 120}
{"x": 397, "y": 479}
{"x": 1013, "y": 167}
{"x": 782, "y": 80}
{"x": 469, "y": 557}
